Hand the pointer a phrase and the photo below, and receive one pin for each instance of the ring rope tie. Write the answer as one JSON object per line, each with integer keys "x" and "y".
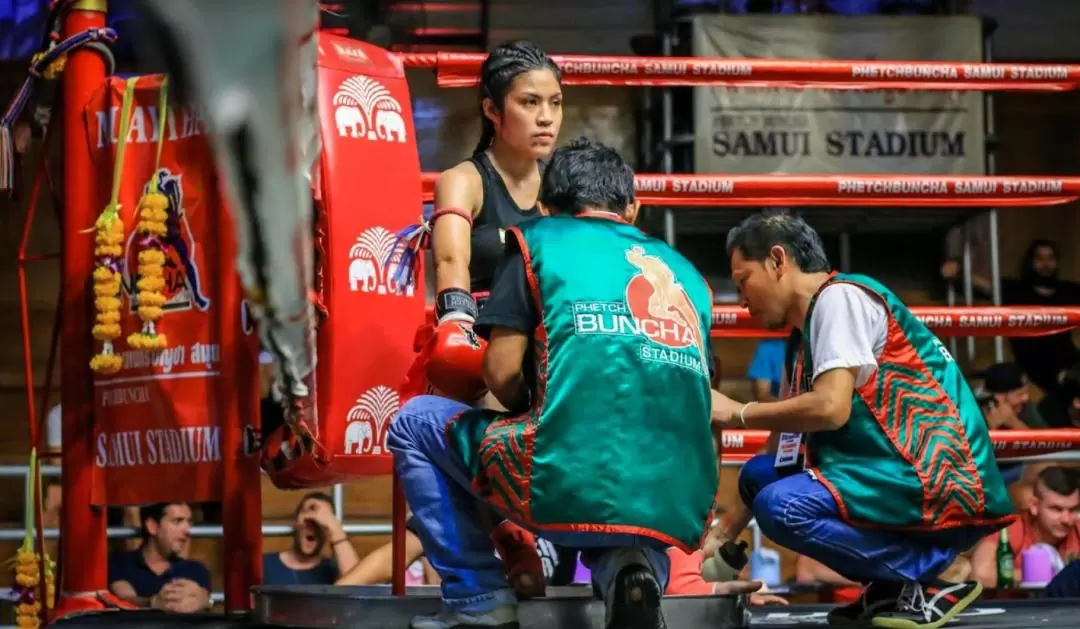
{"x": 152, "y": 226}
{"x": 463, "y": 69}
{"x": 45, "y": 65}
{"x": 108, "y": 253}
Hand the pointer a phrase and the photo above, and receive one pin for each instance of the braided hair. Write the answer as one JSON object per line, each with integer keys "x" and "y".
{"x": 502, "y": 66}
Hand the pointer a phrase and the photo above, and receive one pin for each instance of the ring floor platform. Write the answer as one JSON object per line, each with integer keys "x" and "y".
{"x": 316, "y": 607}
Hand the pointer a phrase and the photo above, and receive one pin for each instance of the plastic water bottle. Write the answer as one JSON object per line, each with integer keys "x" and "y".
{"x": 765, "y": 566}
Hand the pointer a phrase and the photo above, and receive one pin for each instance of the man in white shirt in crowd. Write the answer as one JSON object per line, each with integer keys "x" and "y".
{"x": 902, "y": 477}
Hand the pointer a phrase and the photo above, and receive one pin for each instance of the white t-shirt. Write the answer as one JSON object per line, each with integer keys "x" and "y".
{"x": 848, "y": 330}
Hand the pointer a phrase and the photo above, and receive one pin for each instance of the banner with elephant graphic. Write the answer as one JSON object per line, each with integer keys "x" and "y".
{"x": 369, "y": 185}
{"x": 157, "y": 429}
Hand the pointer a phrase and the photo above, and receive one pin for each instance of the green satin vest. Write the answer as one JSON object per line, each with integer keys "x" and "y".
{"x": 916, "y": 451}
{"x": 618, "y": 439}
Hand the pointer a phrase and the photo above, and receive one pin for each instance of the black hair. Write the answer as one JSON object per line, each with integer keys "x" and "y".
{"x": 587, "y": 175}
{"x": 1027, "y": 269}
{"x": 1057, "y": 480}
{"x": 154, "y": 512}
{"x": 502, "y": 66}
{"x": 760, "y": 232}
{"x": 316, "y": 495}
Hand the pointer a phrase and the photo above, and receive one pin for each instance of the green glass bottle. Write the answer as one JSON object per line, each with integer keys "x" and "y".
{"x": 1005, "y": 562}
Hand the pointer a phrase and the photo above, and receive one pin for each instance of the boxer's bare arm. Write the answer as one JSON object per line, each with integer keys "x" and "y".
{"x": 503, "y": 362}
{"x": 451, "y": 247}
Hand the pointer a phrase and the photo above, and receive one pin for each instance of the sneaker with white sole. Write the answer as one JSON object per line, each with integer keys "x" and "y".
{"x": 877, "y": 598}
{"x": 504, "y": 617}
{"x": 929, "y": 606}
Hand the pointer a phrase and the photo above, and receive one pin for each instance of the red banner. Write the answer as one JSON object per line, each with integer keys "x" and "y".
{"x": 740, "y": 445}
{"x": 157, "y": 430}
{"x": 454, "y": 69}
{"x": 848, "y": 190}
{"x": 365, "y": 344}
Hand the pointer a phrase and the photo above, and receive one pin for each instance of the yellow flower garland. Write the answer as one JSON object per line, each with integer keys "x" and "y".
{"x": 26, "y": 565}
{"x": 109, "y": 255}
{"x": 153, "y": 212}
{"x": 109, "y": 252}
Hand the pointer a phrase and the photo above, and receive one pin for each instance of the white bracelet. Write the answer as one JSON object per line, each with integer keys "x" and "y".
{"x": 742, "y": 413}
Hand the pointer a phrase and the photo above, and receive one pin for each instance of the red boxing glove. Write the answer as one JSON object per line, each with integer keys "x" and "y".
{"x": 455, "y": 364}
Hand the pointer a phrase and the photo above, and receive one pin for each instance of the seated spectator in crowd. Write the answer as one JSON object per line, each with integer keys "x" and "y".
{"x": 836, "y": 589}
{"x": 766, "y": 370}
{"x": 316, "y": 528}
{"x": 156, "y": 574}
{"x": 1006, "y": 399}
{"x": 1043, "y": 358}
{"x": 1006, "y": 404}
{"x": 1065, "y": 584}
{"x": 1050, "y": 518}
{"x": 1061, "y": 407}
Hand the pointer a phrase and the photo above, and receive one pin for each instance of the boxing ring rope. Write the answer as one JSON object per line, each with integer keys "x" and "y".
{"x": 462, "y": 70}
{"x": 843, "y": 190}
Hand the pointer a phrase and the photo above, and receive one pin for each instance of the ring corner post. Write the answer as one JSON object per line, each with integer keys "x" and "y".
{"x": 84, "y": 563}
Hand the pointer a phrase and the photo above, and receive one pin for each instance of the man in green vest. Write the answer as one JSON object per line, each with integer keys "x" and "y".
{"x": 899, "y": 475}
{"x": 598, "y": 344}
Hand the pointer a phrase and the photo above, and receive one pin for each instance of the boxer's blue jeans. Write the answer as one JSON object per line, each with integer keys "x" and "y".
{"x": 437, "y": 486}
{"x": 797, "y": 512}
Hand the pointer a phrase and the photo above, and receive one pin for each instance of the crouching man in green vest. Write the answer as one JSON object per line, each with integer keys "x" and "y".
{"x": 598, "y": 346}
{"x": 900, "y": 475}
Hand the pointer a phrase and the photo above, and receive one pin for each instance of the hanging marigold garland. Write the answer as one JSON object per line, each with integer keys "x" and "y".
{"x": 26, "y": 564}
{"x": 109, "y": 255}
{"x": 152, "y": 226}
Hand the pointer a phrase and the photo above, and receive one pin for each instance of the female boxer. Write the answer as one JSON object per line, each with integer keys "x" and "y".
{"x": 475, "y": 202}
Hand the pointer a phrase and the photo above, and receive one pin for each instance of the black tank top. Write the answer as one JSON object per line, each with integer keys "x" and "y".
{"x": 498, "y": 212}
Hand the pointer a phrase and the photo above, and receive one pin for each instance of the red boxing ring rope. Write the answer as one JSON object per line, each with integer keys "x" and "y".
{"x": 844, "y": 190}
{"x": 741, "y": 445}
{"x": 462, "y": 70}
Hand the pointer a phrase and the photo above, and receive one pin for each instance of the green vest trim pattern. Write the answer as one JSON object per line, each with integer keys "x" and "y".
{"x": 916, "y": 452}
{"x": 635, "y": 454}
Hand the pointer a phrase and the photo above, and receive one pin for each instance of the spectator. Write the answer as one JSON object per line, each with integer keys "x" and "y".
{"x": 1006, "y": 399}
{"x": 952, "y": 268}
{"x": 156, "y": 574}
{"x": 304, "y": 564}
{"x": 1043, "y": 358}
{"x": 1061, "y": 407}
{"x": 1050, "y": 518}
{"x": 766, "y": 370}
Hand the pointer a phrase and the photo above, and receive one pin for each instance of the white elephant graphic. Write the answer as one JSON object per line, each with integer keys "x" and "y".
{"x": 389, "y": 125}
{"x": 364, "y": 275}
{"x": 369, "y": 420}
{"x": 367, "y": 109}
{"x": 350, "y": 121}
{"x": 360, "y": 437}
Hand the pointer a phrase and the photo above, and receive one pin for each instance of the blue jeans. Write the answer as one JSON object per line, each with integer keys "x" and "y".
{"x": 438, "y": 488}
{"x": 796, "y": 511}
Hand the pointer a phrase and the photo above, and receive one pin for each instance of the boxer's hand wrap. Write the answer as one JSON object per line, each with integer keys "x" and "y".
{"x": 455, "y": 304}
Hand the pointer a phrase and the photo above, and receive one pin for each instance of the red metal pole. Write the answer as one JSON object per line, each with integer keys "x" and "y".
{"x": 83, "y": 548}
{"x": 238, "y": 390}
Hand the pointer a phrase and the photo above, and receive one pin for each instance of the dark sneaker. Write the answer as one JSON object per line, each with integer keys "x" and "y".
{"x": 929, "y": 606}
{"x": 634, "y": 600}
{"x": 876, "y": 598}
{"x": 499, "y": 618}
